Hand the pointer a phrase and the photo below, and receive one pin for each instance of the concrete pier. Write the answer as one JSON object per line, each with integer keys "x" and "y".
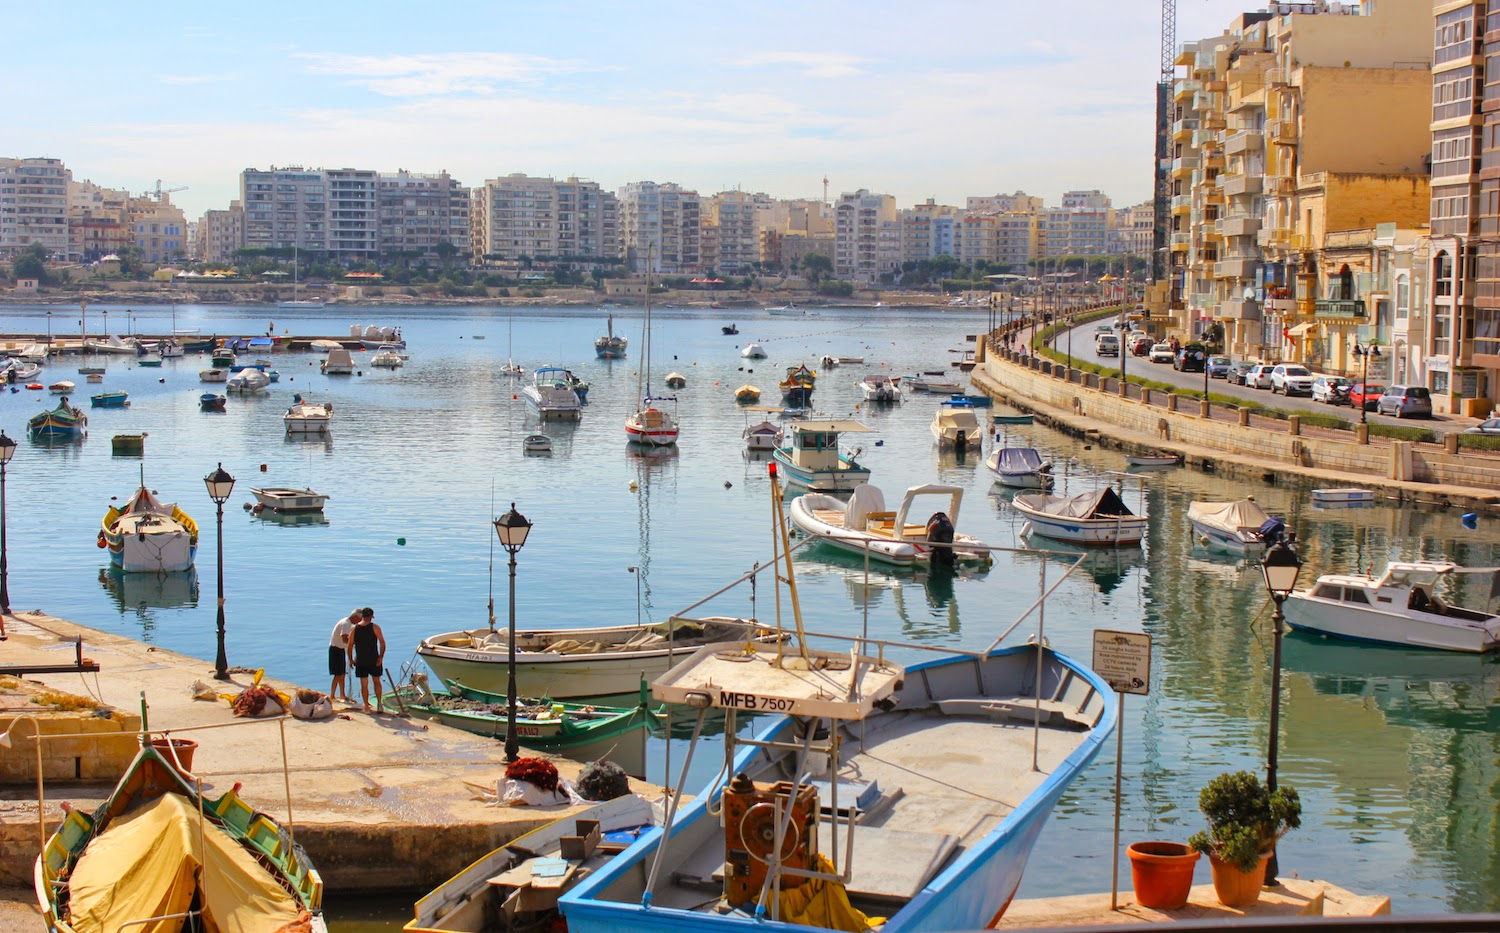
{"x": 1291, "y": 898}
{"x": 378, "y": 801}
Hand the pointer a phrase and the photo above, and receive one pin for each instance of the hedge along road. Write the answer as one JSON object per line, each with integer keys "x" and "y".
{"x": 1139, "y": 367}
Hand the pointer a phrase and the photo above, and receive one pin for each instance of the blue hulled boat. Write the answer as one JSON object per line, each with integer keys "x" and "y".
{"x": 62, "y": 421}
{"x": 814, "y": 459}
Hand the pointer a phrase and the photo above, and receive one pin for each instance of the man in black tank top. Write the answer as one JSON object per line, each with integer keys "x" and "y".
{"x": 367, "y": 652}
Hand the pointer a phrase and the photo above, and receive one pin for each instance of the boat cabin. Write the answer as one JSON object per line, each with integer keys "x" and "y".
{"x": 815, "y": 444}
{"x": 1405, "y": 585}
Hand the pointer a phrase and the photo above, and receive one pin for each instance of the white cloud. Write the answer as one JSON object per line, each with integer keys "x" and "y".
{"x": 442, "y": 74}
{"x": 812, "y": 64}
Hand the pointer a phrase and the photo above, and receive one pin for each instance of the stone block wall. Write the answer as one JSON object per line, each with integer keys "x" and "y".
{"x": 100, "y": 750}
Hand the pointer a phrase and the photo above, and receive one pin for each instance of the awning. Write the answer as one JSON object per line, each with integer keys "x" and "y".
{"x": 1302, "y": 330}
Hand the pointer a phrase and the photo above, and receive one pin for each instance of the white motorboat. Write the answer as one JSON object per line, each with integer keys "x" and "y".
{"x": 753, "y": 351}
{"x": 1400, "y": 607}
{"x": 581, "y": 662}
{"x": 213, "y": 375}
{"x": 1099, "y": 517}
{"x": 878, "y": 387}
{"x": 248, "y": 379}
{"x": 32, "y": 353}
{"x": 1020, "y": 467}
{"x": 813, "y": 458}
{"x": 113, "y": 344}
{"x": 1241, "y": 526}
{"x": 863, "y": 526}
{"x": 937, "y": 385}
{"x": 146, "y": 535}
{"x": 956, "y": 427}
{"x": 171, "y": 349}
{"x": 19, "y": 371}
{"x": 288, "y": 499}
{"x": 308, "y": 417}
{"x": 762, "y": 436}
{"x": 63, "y": 387}
{"x": 1349, "y": 496}
{"x": 325, "y": 346}
{"x": 387, "y": 356}
{"x": 551, "y": 397}
{"x": 339, "y": 362}
{"x": 537, "y": 444}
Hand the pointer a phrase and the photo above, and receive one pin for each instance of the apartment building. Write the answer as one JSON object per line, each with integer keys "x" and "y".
{"x": 417, "y": 212}
{"x": 735, "y": 237}
{"x": 1131, "y": 233}
{"x": 98, "y": 221}
{"x": 928, "y": 230}
{"x": 1080, "y": 226}
{"x": 286, "y": 208}
{"x": 1004, "y": 203}
{"x": 664, "y": 221}
{"x": 34, "y": 205}
{"x": 867, "y": 236}
{"x": 219, "y": 233}
{"x": 520, "y": 218}
{"x": 158, "y": 229}
{"x": 791, "y": 229}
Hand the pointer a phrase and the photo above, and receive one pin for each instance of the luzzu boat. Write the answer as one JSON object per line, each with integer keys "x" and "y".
{"x": 147, "y": 535}
{"x": 62, "y": 421}
{"x": 155, "y": 849}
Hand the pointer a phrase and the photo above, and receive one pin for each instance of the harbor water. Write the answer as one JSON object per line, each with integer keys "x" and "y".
{"x": 1393, "y": 752}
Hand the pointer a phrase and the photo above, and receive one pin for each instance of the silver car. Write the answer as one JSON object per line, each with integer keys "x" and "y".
{"x": 1405, "y": 401}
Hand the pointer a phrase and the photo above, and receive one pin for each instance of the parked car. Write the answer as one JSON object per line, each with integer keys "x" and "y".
{"x": 1364, "y": 395}
{"x": 1259, "y": 376}
{"x": 1104, "y": 329}
{"x": 1140, "y": 344}
{"x": 1491, "y": 426}
{"x": 1403, "y": 401}
{"x": 1219, "y": 367}
{"x": 1191, "y": 358}
{"x": 1291, "y": 379}
{"x": 1161, "y": 353}
{"x": 1331, "y": 390}
{"x": 1239, "y": 372}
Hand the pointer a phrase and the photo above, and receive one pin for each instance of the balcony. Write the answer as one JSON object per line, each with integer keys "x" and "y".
{"x": 1277, "y": 77}
{"x": 1217, "y": 85}
{"x": 1214, "y": 120}
{"x": 1239, "y": 225}
{"x": 1183, "y": 129}
{"x": 1280, "y": 186}
{"x": 1183, "y": 165}
{"x": 1182, "y": 204}
{"x": 1180, "y": 241}
{"x": 1340, "y": 308}
{"x": 1244, "y": 141}
{"x": 1273, "y": 236}
{"x": 1204, "y": 101}
{"x": 1184, "y": 90}
{"x": 1239, "y": 309}
{"x": 1205, "y": 61}
{"x": 1282, "y": 132}
{"x": 1236, "y": 267}
{"x": 1235, "y": 185}
{"x": 1206, "y": 139}
{"x": 1209, "y": 229}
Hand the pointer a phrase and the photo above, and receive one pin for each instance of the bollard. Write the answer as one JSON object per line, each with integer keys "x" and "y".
{"x": 1244, "y": 417}
{"x": 1171, "y": 401}
{"x": 1203, "y": 409}
{"x": 1294, "y": 425}
{"x": 1362, "y": 433}
{"x": 1450, "y": 443}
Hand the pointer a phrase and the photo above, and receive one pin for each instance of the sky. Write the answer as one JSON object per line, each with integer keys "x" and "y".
{"x": 922, "y": 100}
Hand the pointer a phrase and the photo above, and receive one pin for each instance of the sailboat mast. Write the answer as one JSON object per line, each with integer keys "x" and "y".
{"x": 643, "y": 375}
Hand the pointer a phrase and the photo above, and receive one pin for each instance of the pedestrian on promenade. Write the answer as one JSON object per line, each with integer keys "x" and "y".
{"x": 367, "y": 652}
{"x": 338, "y": 652}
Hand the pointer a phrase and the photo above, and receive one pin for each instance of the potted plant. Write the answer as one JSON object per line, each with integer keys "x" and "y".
{"x": 1162, "y": 873}
{"x": 1244, "y": 821}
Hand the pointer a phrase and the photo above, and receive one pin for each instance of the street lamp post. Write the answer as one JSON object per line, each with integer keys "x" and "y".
{"x": 512, "y": 528}
{"x": 7, "y": 450}
{"x": 1281, "y": 566}
{"x": 220, "y": 484}
{"x": 1363, "y": 354}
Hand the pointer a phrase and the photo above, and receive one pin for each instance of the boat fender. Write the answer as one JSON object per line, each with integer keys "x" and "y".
{"x": 249, "y": 507}
{"x": 940, "y": 538}
{"x": 263, "y": 468}
{"x": 102, "y": 542}
{"x": 1470, "y": 519}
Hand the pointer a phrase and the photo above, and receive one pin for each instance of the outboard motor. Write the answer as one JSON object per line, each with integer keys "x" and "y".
{"x": 1271, "y": 531}
{"x": 940, "y": 539}
{"x": 961, "y": 443}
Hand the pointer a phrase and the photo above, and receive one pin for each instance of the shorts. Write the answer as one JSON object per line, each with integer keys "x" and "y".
{"x": 336, "y": 658}
{"x": 368, "y": 670}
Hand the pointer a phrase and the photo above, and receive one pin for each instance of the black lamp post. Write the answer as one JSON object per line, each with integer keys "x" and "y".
{"x": 1281, "y": 566}
{"x": 1363, "y": 354}
{"x": 512, "y": 527}
{"x": 220, "y": 484}
{"x": 7, "y": 450}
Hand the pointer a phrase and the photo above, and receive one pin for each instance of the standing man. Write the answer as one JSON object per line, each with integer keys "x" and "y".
{"x": 338, "y": 651}
{"x": 367, "y": 651}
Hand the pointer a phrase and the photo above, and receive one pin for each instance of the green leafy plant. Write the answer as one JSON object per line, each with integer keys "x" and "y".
{"x": 1244, "y": 818}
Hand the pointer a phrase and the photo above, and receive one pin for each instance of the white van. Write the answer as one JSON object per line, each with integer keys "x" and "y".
{"x": 1107, "y": 345}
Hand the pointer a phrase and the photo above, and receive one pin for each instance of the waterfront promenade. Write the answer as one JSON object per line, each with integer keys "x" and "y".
{"x": 378, "y": 801}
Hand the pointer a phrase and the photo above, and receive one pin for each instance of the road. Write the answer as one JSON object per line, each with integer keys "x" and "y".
{"x": 1083, "y": 349}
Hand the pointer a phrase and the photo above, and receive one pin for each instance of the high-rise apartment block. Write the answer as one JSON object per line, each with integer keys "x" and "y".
{"x": 418, "y": 212}
{"x": 34, "y": 205}
{"x": 1080, "y": 226}
{"x": 664, "y": 221}
{"x": 158, "y": 229}
{"x": 519, "y": 217}
{"x": 866, "y": 236}
{"x": 219, "y": 234}
{"x": 1005, "y": 203}
{"x": 928, "y": 230}
{"x": 731, "y": 217}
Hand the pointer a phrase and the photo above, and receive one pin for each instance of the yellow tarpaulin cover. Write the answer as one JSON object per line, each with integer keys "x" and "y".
{"x": 820, "y": 903}
{"x": 149, "y": 864}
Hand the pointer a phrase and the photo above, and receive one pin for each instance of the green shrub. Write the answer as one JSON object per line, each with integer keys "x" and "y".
{"x": 1325, "y": 420}
{"x": 1395, "y": 433}
{"x": 1479, "y": 441}
{"x": 1244, "y": 818}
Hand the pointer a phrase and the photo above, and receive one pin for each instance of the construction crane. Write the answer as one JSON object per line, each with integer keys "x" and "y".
{"x": 1160, "y": 258}
{"x": 161, "y": 194}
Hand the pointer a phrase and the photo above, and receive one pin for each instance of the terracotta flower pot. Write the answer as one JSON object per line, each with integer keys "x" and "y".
{"x": 1162, "y": 873}
{"x": 1236, "y": 887}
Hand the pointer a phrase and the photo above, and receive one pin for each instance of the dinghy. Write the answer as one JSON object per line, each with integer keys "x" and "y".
{"x": 1241, "y": 526}
{"x": 1100, "y": 517}
{"x": 863, "y": 526}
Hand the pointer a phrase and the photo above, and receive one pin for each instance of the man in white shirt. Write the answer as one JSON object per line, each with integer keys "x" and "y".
{"x": 338, "y": 650}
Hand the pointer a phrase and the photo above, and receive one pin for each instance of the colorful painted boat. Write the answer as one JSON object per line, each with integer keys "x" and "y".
{"x": 147, "y": 535}
{"x": 155, "y": 849}
{"x": 110, "y": 400}
{"x": 62, "y": 421}
{"x": 814, "y": 459}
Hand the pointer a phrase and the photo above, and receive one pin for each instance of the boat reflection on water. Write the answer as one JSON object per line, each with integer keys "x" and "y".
{"x": 323, "y": 440}
{"x": 869, "y": 590}
{"x": 142, "y": 593}
{"x": 291, "y": 519}
{"x": 1107, "y": 567}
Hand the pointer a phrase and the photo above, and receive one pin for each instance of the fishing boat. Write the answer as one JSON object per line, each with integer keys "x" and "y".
{"x": 813, "y": 458}
{"x": 973, "y": 401}
{"x": 1400, "y": 607}
{"x": 580, "y": 731}
{"x": 112, "y": 345}
{"x": 537, "y": 443}
{"x": 1148, "y": 460}
{"x": 1014, "y": 419}
{"x": 747, "y": 394}
{"x": 248, "y": 379}
{"x": 288, "y": 499}
{"x": 171, "y": 348}
{"x": 1099, "y": 517}
{"x": 730, "y": 330}
{"x": 338, "y": 362}
{"x": 878, "y": 387}
{"x": 762, "y": 436}
{"x": 147, "y": 535}
{"x": 608, "y": 661}
{"x": 523, "y": 878}
{"x": 934, "y": 384}
{"x": 224, "y": 358}
{"x": 828, "y": 361}
{"x": 158, "y": 850}
{"x": 863, "y": 526}
{"x": 850, "y": 804}
{"x": 150, "y": 360}
{"x": 649, "y": 425}
{"x": 308, "y": 417}
{"x": 211, "y": 402}
{"x": 388, "y": 357}
{"x": 62, "y": 387}
{"x": 608, "y": 346}
{"x": 1352, "y": 496}
{"x": 213, "y": 375}
{"x": 1020, "y": 468}
{"x": 753, "y": 351}
{"x": 62, "y": 421}
{"x": 93, "y": 379}
{"x": 956, "y": 427}
{"x": 797, "y": 388}
{"x": 549, "y": 395}
{"x": 91, "y": 370}
{"x": 110, "y": 400}
{"x": 1241, "y": 526}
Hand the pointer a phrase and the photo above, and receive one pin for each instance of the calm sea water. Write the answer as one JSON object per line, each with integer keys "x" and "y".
{"x": 1394, "y": 752}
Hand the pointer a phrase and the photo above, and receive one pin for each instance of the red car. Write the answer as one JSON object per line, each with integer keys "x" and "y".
{"x": 1140, "y": 345}
{"x": 1364, "y": 395}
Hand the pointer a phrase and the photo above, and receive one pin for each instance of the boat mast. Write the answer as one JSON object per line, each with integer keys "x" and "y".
{"x": 643, "y": 375}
